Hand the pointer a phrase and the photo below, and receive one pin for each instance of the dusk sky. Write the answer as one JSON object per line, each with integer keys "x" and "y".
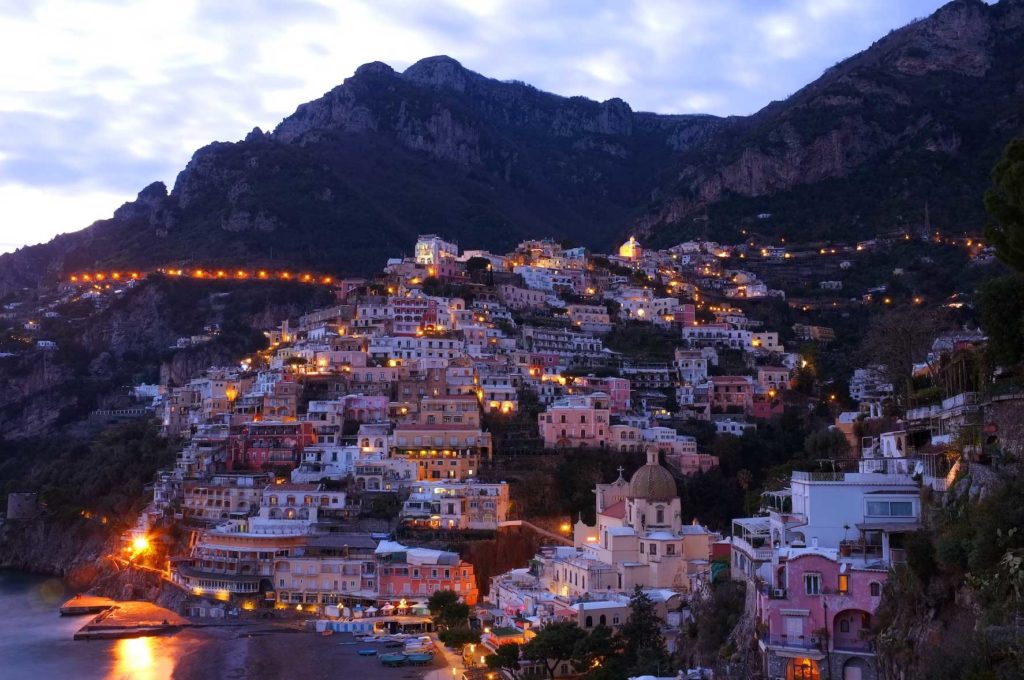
{"x": 98, "y": 99}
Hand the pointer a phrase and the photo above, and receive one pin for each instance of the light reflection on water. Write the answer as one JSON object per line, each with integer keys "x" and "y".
{"x": 145, "y": 658}
{"x": 36, "y": 642}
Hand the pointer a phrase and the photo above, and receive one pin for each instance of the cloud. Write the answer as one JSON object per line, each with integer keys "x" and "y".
{"x": 98, "y": 98}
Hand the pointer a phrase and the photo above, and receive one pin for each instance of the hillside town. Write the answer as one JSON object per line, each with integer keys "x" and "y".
{"x": 338, "y": 474}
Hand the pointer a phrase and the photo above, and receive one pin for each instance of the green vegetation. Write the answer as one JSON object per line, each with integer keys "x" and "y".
{"x": 447, "y": 610}
{"x": 1001, "y": 313}
{"x": 706, "y": 640}
{"x": 642, "y": 341}
{"x": 103, "y": 475}
{"x": 555, "y": 643}
{"x": 505, "y": 658}
{"x": 973, "y": 553}
{"x": 638, "y": 648}
{"x": 1005, "y": 202}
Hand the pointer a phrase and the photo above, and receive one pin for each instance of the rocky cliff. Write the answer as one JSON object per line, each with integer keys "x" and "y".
{"x": 354, "y": 176}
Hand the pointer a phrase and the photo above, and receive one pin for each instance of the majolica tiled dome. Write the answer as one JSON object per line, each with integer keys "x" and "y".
{"x": 652, "y": 482}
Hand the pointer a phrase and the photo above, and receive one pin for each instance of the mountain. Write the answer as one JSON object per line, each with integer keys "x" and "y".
{"x": 351, "y": 178}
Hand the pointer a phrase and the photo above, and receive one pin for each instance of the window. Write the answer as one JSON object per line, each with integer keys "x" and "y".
{"x": 660, "y": 515}
{"x": 812, "y": 584}
{"x": 844, "y": 626}
{"x": 654, "y": 548}
{"x": 876, "y": 589}
{"x": 890, "y": 509}
{"x": 844, "y": 583}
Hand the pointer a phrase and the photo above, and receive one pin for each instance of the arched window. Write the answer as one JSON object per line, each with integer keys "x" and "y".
{"x": 603, "y": 620}
{"x": 589, "y": 623}
{"x": 660, "y": 511}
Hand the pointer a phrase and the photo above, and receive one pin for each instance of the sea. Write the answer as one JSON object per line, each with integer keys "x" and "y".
{"x": 36, "y": 641}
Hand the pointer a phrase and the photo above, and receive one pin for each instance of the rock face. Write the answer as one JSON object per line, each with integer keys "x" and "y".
{"x": 352, "y": 177}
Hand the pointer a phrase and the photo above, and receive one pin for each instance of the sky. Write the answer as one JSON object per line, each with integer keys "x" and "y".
{"x": 99, "y": 98}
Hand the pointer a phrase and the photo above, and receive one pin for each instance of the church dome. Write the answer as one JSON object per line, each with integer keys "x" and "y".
{"x": 652, "y": 482}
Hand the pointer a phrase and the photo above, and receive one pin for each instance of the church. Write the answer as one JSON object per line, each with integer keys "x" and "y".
{"x": 640, "y": 538}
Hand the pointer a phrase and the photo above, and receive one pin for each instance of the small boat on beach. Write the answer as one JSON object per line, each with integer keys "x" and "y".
{"x": 419, "y": 659}
{"x": 367, "y": 652}
{"x": 392, "y": 659}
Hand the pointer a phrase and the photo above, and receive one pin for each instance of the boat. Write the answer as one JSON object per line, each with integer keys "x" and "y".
{"x": 327, "y": 632}
{"x": 392, "y": 659}
{"x": 419, "y": 659}
{"x": 367, "y": 652}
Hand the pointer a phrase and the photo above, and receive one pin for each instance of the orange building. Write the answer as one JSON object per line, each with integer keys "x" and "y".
{"x": 416, "y": 573}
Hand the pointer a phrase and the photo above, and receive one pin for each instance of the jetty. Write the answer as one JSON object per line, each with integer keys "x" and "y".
{"x": 130, "y": 619}
{"x": 86, "y": 604}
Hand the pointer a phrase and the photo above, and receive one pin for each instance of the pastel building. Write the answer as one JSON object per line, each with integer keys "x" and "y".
{"x": 406, "y": 572}
{"x": 818, "y": 559}
{"x": 639, "y": 538}
{"x": 457, "y": 505}
{"x": 576, "y": 421}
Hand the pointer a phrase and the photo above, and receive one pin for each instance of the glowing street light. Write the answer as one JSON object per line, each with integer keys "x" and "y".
{"x": 140, "y": 544}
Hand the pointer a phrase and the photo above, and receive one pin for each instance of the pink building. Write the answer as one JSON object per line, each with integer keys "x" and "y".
{"x": 732, "y": 393}
{"x": 766, "y": 405}
{"x": 617, "y": 390}
{"x": 365, "y": 409}
{"x": 817, "y": 612}
{"x": 576, "y": 421}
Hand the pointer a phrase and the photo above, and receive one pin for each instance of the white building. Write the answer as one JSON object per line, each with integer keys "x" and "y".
{"x": 431, "y": 249}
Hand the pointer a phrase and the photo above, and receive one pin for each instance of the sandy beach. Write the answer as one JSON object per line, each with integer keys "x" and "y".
{"x": 267, "y": 651}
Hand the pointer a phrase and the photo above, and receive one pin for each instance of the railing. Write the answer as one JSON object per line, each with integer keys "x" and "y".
{"x": 860, "y": 548}
{"x": 819, "y": 476}
{"x": 758, "y": 554}
{"x": 801, "y": 642}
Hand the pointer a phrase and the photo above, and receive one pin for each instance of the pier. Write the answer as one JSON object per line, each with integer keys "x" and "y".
{"x": 130, "y": 619}
{"x": 86, "y": 604}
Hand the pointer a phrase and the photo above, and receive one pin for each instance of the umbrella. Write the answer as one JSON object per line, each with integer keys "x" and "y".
{"x": 371, "y": 610}
{"x": 388, "y": 605}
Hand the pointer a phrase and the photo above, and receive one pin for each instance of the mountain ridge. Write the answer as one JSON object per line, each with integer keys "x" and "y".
{"x": 353, "y": 176}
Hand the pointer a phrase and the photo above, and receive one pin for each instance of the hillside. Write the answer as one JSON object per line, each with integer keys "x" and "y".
{"x": 351, "y": 178}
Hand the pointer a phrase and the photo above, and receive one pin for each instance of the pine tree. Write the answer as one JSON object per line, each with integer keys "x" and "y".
{"x": 644, "y": 650}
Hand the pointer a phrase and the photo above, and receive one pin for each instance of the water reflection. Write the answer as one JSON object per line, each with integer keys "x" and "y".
{"x": 140, "y": 659}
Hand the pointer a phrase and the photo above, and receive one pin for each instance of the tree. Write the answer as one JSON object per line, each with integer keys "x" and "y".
{"x": 599, "y": 654}
{"x": 1001, "y": 313}
{"x": 446, "y": 610}
{"x": 505, "y": 658}
{"x": 459, "y": 637}
{"x": 644, "y": 649}
{"x": 898, "y": 339}
{"x": 826, "y": 444}
{"x": 1005, "y": 202}
{"x": 554, "y": 643}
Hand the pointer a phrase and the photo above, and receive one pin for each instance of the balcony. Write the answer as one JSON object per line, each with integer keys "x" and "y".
{"x": 803, "y": 642}
{"x": 758, "y": 554}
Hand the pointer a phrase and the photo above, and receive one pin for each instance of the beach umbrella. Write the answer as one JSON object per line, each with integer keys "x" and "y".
{"x": 372, "y": 610}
